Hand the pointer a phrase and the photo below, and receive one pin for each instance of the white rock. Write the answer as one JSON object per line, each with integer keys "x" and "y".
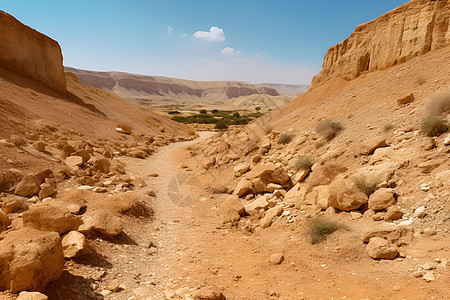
{"x": 429, "y": 276}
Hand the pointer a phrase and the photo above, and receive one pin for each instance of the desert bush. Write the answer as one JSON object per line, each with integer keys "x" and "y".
{"x": 285, "y": 138}
{"x": 221, "y": 125}
{"x": 388, "y": 127}
{"x": 439, "y": 105}
{"x": 328, "y": 129}
{"x": 258, "y": 108}
{"x": 215, "y": 111}
{"x": 433, "y": 126}
{"x": 236, "y": 115}
{"x": 194, "y": 153}
{"x": 367, "y": 185}
{"x": 174, "y": 112}
{"x": 303, "y": 163}
{"x": 192, "y": 132}
{"x": 320, "y": 228}
{"x": 203, "y": 111}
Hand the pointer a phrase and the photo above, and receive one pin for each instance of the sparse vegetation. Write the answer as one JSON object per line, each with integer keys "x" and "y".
{"x": 388, "y": 127}
{"x": 328, "y": 129}
{"x": 203, "y": 111}
{"x": 439, "y": 105}
{"x": 303, "y": 163}
{"x": 214, "y": 111}
{"x": 367, "y": 185}
{"x": 320, "y": 228}
{"x": 285, "y": 138}
{"x": 236, "y": 115}
{"x": 258, "y": 108}
{"x": 173, "y": 112}
{"x": 420, "y": 80}
{"x": 221, "y": 125}
{"x": 433, "y": 125}
{"x": 194, "y": 153}
{"x": 229, "y": 117}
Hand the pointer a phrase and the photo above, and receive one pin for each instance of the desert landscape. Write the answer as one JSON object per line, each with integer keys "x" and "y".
{"x": 115, "y": 185}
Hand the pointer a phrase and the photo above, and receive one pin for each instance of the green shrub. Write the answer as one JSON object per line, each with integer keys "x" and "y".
{"x": 236, "y": 115}
{"x": 258, "y": 108}
{"x": 328, "y": 129}
{"x": 367, "y": 185}
{"x": 433, "y": 126}
{"x": 303, "y": 163}
{"x": 221, "y": 125}
{"x": 320, "y": 228}
{"x": 439, "y": 105}
{"x": 285, "y": 138}
{"x": 203, "y": 111}
{"x": 215, "y": 111}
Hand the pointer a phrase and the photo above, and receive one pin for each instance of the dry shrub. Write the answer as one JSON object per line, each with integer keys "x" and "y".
{"x": 433, "y": 126}
{"x": 303, "y": 163}
{"x": 367, "y": 185}
{"x": 285, "y": 138}
{"x": 221, "y": 125}
{"x": 440, "y": 105}
{"x": 388, "y": 127}
{"x": 320, "y": 228}
{"x": 328, "y": 129}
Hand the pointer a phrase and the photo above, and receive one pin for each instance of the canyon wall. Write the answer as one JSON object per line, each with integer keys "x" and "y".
{"x": 30, "y": 53}
{"x": 411, "y": 29}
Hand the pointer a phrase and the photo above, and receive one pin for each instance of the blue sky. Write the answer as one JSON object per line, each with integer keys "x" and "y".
{"x": 280, "y": 41}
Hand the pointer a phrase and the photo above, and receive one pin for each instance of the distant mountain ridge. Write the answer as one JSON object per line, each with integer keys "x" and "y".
{"x": 287, "y": 89}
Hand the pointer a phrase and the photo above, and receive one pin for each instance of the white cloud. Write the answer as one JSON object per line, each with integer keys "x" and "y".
{"x": 184, "y": 35}
{"x": 213, "y": 35}
{"x": 169, "y": 29}
{"x": 228, "y": 51}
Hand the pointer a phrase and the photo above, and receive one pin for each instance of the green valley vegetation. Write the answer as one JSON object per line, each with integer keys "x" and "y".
{"x": 216, "y": 116}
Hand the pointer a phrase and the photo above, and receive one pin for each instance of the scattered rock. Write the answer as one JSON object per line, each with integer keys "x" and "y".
{"x": 208, "y": 293}
{"x": 428, "y": 276}
{"x": 233, "y": 203}
{"x": 75, "y": 244}
{"x": 242, "y": 168}
{"x": 345, "y": 195}
{"x": 369, "y": 146}
{"x": 355, "y": 215}
{"x": 393, "y": 213}
{"x": 4, "y": 221}
{"x": 243, "y": 187}
{"x": 405, "y": 99}
{"x": 276, "y": 258}
{"x": 46, "y": 190}
{"x": 381, "y": 199}
{"x": 74, "y": 161}
{"x": 257, "y": 204}
{"x": 31, "y": 184}
{"x": 270, "y": 215}
{"x": 114, "y": 285}
{"x": 32, "y": 296}
{"x": 379, "y": 248}
{"x": 392, "y": 233}
{"x": 102, "y": 221}
{"x": 39, "y": 146}
{"x": 101, "y": 165}
{"x": 29, "y": 259}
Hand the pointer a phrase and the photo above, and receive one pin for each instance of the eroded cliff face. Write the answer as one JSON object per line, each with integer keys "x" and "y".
{"x": 411, "y": 29}
{"x": 30, "y": 53}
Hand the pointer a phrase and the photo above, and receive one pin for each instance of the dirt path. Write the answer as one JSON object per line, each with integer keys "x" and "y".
{"x": 184, "y": 247}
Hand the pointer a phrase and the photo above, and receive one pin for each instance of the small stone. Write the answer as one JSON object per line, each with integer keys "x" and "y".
{"x": 420, "y": 212}
{"x": 417, "y": 274}
{"x": 74, "y": 161}
{"x": 114, "y": 285}
{"x": 429, "y": 276}
{"x": 39, "y": 146}
{"x": 31, "y": 296}
{"x": 429, "y": 231}
{"x": 355, "y": 215}
{"x": 276, "y": 258}
{"x": 393, "y": 213}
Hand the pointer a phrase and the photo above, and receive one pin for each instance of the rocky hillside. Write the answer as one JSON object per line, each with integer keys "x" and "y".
{"x": 410, "y": 30}
{"x": 155, "y": 90}
{"x": 292, "y": 90}
{"x": 30, "y": 53}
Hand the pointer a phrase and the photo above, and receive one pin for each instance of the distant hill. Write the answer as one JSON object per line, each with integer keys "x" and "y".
{"x": 287, "y": 89}
{"x": 168, "y": 92}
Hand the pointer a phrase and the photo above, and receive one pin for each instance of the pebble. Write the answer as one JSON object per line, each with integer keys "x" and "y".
{"x": 429, "y": 276}
{"x": 276, "y": 258}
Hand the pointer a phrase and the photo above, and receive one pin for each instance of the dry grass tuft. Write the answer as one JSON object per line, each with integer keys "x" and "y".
{"x": 328, "y": 129}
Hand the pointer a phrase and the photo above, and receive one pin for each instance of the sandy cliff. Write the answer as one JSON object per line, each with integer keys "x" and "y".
{"x": 412, "y": 29}
{"x": 30, "y": 53}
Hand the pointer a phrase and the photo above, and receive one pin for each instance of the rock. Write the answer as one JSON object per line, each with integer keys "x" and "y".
{"x": 405, "y": 99}
{"x": 83, "y": 154}
{"x": 269, "y": 173}
{"x": 51, "y": 216}
{"x": 324, "y": 175}
{"x": 257, "y": 204}
{"x": 446, "y": 141}
{"x": 12, "y": 205}
{"x": 428, "y": 276}
{"x": 276, "y": 258}
{"x": 300, "y": 175}
{"x": 381, "y": 199}
{"x": 114, "y": 285}
{"x": 420, "y": 212}
{"x": 322, "y": 193}
{"x": 393, "y": 213}
{"x": 31, "y": 296}
{"x": 243, "y": 187}
{"x": 9, "y": 178}
{"x": 375, "y": 45}
{"x": 379, "y": 248}
{"x": 355, "y": 215}
{"x": 428, "y": 143}
{"x": 17, "y": 140}
{"x": 208, "y": 293}
{"x": 242, "y": 168}
{"x": 74, "y": 161}
{"x": 46, "y": 190}
{"x": 39, "y": 146}
{"x": 429, "y": 231}
{"x": 29, "y": 259}
{"x": 43, "y": 59}
{"x": 270, "y": 215}
{"x": 345, "y": 195}
{"x": 233, "y": 203}
{"x": 4, "y": 221}
{"x": 392, "y": 233}
{"x": 75, "y": 244}
{"x": 428, "y": 166}
{"x": 101, "y": 165}
{"x": 68, "y": 149}
{"x": 369, "y": 146}
{"x": 31, "y": 184}
{"x": 102, "y": 221}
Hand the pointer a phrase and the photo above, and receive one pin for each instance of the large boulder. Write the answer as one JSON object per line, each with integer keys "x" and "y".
{"x": 395, "y": 234}
{"x": 102, "y": 221}
{"x": 31, "y": 296}
{"x": 232, "y": 203}
{"x": 75, "y": 244}
{"x": 243, "y": 187}
{"x": 379, "y": 248}
{"x": 324, "y": 175}
{"x": 369, "y": 146}
{"x": 29, "y": 259}
{"x": 31, "y": 184}
{"x": 345, "y": 195}
{"x": 101, "y": 165}
{"x": 269, "y": 173}
{"x": 382, "y": 199}
{"x": 51, "y": 216}
{"x": 257, "y": 204}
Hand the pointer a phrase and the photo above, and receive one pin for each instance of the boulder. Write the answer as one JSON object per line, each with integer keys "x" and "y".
{"x": 4, "y": 221}
{"x": 324, "y": 175}
{"x": 242, "y": 168}
{"x": 29, "y": 259}
{"x": 12, "y": 205}
{"x": 51, "y": 216}
{"x": 46, "y": 190}
{"x": 31, "y": 296}
{"x": 243, "y": 187}
{"x": 405, "y": 99}
{"x": 322, "y": 196}
{"x": 83, "y": 154}
{"x": 369, "y": 146}
{"x": 393, "y": 213}
{"x": 74, "y": 161}
{"x": 270, "y": 215}
{"x": 31, "y": 184}
{"x": 379, "y": 248}
{"x": 102, "y": 221}
{"x": 276, "y": 258}
{"x": 345, "y": 195}
{"x": 75, "y": 244}
{"x": 101, "y": 165}
{"x": 9, "y": 178}
{"x": 68, "y": 149}
{"x": 257, "y": 204}
{"x": 381, "y": 199}
{"x": 233, "y": 203}
{"x": 208, "y": 293}
{"x": 395, "y": 234}
{"x": 39, "y": 146}
{"x": 269, "y": 173}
